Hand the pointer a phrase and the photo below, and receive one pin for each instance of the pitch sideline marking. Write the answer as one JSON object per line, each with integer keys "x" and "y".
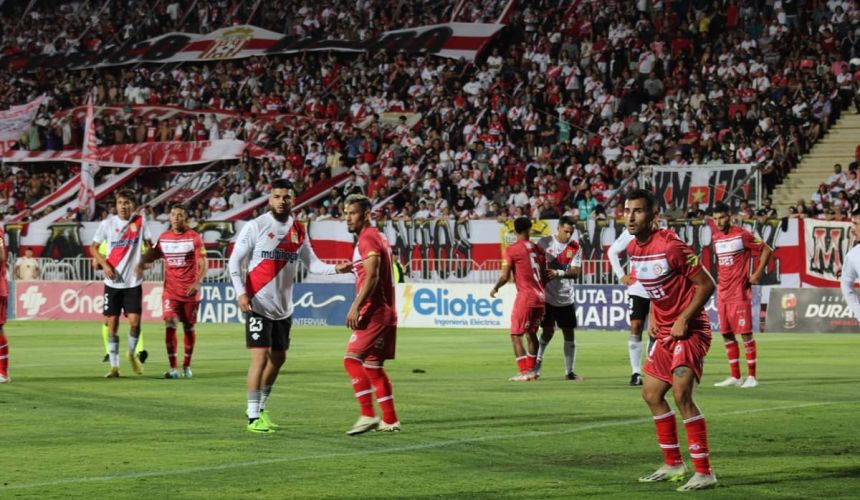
{"x": 425, "y": 446}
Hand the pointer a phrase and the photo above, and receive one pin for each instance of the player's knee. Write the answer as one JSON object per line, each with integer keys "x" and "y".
{"x": 188, "y": 328}
{"x": 652, "y": 397}
{"x": 636, "y": 327}
{"x": 170, "y": 323}
{"x": 568, "y": 334}
{"x": 729, "y": 338}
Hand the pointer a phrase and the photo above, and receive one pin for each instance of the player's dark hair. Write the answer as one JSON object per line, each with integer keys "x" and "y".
{"x": 282, "y": 184}
{"x": 566, "y": 220}
{"x": 126, "y": 194}
{"x": 180, "y": 206}
{"x": 643, "y": 194}
{"x": 522, "y": 225}
{"x": 722, "y": 207}
{"x": 359, "y": 199}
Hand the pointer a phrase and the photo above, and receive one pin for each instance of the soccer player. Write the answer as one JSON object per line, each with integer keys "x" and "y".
{"x": 679, "y": 288}
{"x": 638, "y": 305}
{"x": 4, "y": 303}
{"x": 851, "y": 270}
{"x": 139, "y": 350}
{"x": 372, "y": 319}
{"x": 527, "y": 263}
{"x": 564, "y": 262}
{"x": 126, "y": 233}
{"x": 734, "y": 246}
{"x": 272, "y": 243}
{"x": 185, "y": 267}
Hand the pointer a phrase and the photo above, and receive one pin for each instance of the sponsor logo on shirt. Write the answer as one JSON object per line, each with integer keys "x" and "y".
{"x": 280, "y": 255}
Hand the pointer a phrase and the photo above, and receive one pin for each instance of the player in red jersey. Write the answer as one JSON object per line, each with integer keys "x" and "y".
{"x": 734, "y": 246}
{"x": 372, "y": 319}
{"x": 4, "y": 302}
{"x": 184, "y": 270}
{"x": 679, "y": 288}
{"x": 527, "y": 262}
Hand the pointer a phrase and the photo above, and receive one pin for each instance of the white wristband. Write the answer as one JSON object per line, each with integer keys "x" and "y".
{"x": 559, "y": 273}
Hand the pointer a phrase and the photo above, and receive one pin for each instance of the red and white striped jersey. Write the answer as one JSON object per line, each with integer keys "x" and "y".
{"x": 274, "y": 249}
{"x": 124, "y": 243}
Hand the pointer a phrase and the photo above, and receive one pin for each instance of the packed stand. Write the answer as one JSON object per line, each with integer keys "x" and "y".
{"x": 564, "y": 112}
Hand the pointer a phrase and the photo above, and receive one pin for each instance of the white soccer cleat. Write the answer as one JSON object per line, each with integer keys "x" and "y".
{"x": 5, "y": 379}
{"x": 523, "y": 377}
{"x": 386, "y": 427}
{"x": 749, "y": 383}
{"x": 729, "y": 382}
{"x": 186, "y": 372}
{"x": 666, "y": 472}
{"x": 363, "y": 424}
{"x": 700, "y": 481}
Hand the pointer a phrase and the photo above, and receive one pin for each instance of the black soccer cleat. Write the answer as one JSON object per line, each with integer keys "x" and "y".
{"x": 636, "y": 379}
{"x": 142, "y": 355}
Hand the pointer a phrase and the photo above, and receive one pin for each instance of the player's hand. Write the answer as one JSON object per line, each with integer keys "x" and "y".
{"x": 627, "y": 280}
{"x": 493, "y": 293}
{"x": 346, "y": 267}
{"x": 192, "y": 290}
{"x": 109, "y": 271}
{"x": 549, "y": 274}
{"x": 755, "y": 278}
{"x": 352, "y": 318}
{"x": 244, "y": 303}
{"x": 652, "y": 328}
{"x": 679, "y": 329}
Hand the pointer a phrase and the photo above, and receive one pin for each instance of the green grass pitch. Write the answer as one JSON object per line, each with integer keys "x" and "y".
{"x": 66, "y": 432}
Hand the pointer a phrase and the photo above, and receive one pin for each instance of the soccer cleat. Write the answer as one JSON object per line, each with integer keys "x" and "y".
{"x": 636, "y": 379}
{"x": 186, "y": 372}
{"x": 5, "y": 378}
{"x": 143, "y": 355}
{"x": 523, "y": 377}
{"x": 172, "y": 374}
{"x": 729, "y": 382}
{"x": 700, "y": 481}
{"x": 259, "y": 426}
{"x": 267, "y": 419}
{"x": 113, "y": 373}
{"x": 135, "y": 363}
{"x": 363, "y": 424}
{"x": 572, "y": 376}
{"x": 749, "y": 383}
{"x": 666, "y": 472}
{"x": 106, "y": 358}
{"x": 386, "y": 427}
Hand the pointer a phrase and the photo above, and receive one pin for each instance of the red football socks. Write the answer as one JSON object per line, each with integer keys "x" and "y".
{"x": 360, "y": 384}
{"x": 732, "y": 352}
{"x": 190, "y": 340}
{"x": 667, "y": 438}
{"x": 384, "y": 395}
{"x": 697, "y": 442}
{"x": 4, "y": 355}
{"x": 750, "y": 350}
{"x": 170, "y": 342}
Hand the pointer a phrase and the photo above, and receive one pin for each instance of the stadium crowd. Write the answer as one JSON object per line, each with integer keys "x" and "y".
{"x": 566, "y": 109}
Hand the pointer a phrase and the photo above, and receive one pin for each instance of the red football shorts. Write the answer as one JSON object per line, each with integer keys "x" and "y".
{"x": 735, "y": 317}
{"x": 526, "y": 319}
{"x": 186, "y": 312}
{"x": 4, "y": 304}
{"x": 375, "y": 341}
{"x": 668, "y": 354}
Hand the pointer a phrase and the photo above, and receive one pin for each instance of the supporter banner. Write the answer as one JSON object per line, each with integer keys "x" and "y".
{"x": 680, "y": 187}
{"x": 15, "y": 120}
{"x": 318, "y": 304}
{"x": 189, "y": 184}
{"x": 469, "y": 306}
{"x": 454, "y": 40}
{"x": 825, "y": 243}
{"x": 809, "y": 310}
{"x": 146, "y": 154}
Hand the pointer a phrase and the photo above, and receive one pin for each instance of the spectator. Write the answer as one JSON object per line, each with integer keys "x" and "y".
{"x": 27, "y": 267}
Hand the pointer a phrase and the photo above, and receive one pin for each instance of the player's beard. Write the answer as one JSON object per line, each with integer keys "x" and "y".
{"x": 283, "y": 216}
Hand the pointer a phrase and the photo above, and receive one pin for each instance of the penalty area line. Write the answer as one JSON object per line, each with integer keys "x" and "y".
{"x": 396, "y": 449}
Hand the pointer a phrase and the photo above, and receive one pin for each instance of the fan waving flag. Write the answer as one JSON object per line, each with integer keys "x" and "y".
{"x": 86, "y": 195}
{"x": 15, "y": 120}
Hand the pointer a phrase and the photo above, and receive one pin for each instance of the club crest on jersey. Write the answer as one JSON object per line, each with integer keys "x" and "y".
{"x": 569, "y": 253}
{"x": 271, "y": 235}
{"x": 132, "y": 227}
{"x": 678, "y": 349}
{"x": 658, "y": 269}
{"x": 294, "y": 238}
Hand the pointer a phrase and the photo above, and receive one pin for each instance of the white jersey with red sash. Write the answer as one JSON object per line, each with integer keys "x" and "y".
{"x": 274, "y": 249}
{"x": 124, "y": 244}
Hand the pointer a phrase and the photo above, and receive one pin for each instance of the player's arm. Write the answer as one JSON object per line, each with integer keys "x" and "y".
{"x": 371, "y": 279}
{"x": 315, "y": 265}
{"x": 846, "y": 283}
{"x": 704, "y": 289}
{"x": 613, "y": 253}
{"x": 503, "y": 278}
{"x": 241, "y": 250}
{"x": 202, "y": 266}
{"x": 98, "y": 258}
{"x": 766, "y": 252}
{"x": 151, "y": 255}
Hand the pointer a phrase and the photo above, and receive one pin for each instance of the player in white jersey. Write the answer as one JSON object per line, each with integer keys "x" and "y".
{"x": 126, "y": 234}
{"x": 851, "y": 271}
{"x": 563, "y": 262}
{"x": 638, "y": 305}
{"x": 274, "y": 242}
